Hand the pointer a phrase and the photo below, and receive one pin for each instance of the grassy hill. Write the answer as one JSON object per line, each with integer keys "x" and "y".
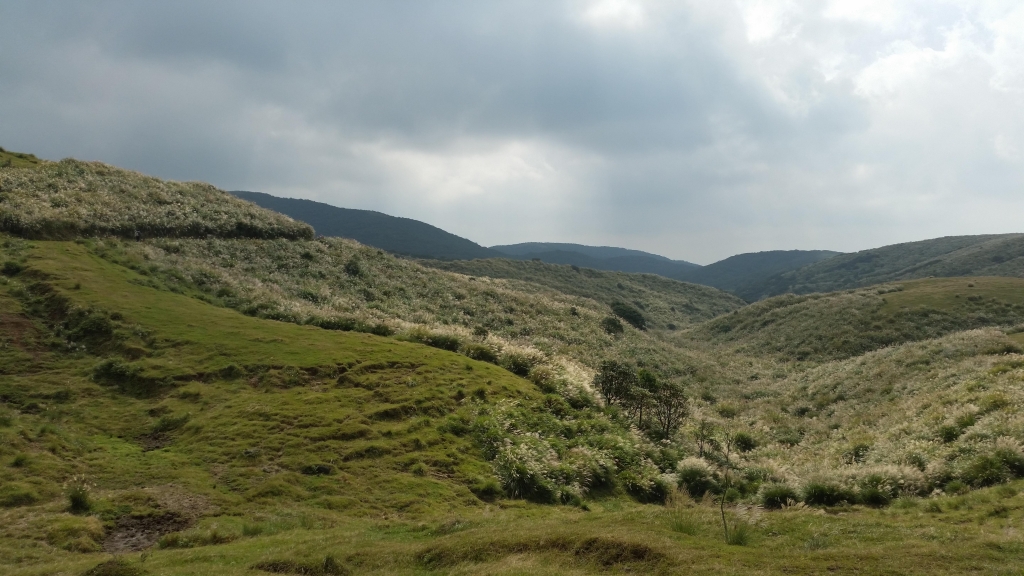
{"x": 68, "y": 199}
{"x": 283, "y": 405}
{"x": 846, "y": 324}
{"x": 743, "y": 274}
{"x": 669, "y": 304}
{"x": 397, "y": 235}
{"x": 986, "y": 255}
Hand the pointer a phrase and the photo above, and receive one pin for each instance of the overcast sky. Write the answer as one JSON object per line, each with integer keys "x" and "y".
{"x": 693, "y": 129}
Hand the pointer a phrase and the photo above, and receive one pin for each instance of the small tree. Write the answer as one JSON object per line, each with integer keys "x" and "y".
{"x": 668, "y": 406}
{"x": 615, "y": 381}
{"x": 705, "y": 437}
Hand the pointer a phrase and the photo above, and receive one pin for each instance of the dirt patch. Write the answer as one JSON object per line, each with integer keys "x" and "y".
{"x": 19, "y": 330}
{"x": 133, "y": 533}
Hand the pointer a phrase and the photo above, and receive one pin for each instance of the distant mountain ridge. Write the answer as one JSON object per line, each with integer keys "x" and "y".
{"x": 403, "y": 236}
{"x": 745, "y": 274}
{"x": 598, "y": 252}
{"x": 982, "y": 255}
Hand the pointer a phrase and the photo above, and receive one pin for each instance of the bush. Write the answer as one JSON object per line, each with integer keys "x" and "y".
{"x": 630, "y": 314}
{"x": 518, "y": 363}
{"x": 78, "y": 496}
{"x": 744, "y": 442}
{"x": 739, "y": 535}
{"x": 611, "y": 325}
{"x": 487, "y": 489}
{"x": 696, "y": 477}
{"x": 480, "y": 352}
{"x": 777, "y": 496}
{"x": 822, "y": 493}
{"x": 986, "y": 470}
{"x": 11, "y": 268}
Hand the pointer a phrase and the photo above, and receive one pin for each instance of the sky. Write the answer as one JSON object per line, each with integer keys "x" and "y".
{"x": 691, "y": 129}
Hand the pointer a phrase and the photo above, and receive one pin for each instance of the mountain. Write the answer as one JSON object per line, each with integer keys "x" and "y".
{"x": 743, "y": 273}
{"x": 597, "y": 252}
{"x": 403, "y": 236}
{"x": 597, "y": 257}
{"x": 984, "y": 255}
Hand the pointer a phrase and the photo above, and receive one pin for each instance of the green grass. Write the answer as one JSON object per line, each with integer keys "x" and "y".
{"x": 10, "y": 159}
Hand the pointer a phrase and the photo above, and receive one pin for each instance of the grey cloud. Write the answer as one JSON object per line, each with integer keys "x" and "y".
{"x": 520, "y": 121}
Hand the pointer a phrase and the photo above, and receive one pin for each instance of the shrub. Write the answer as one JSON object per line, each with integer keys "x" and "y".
{"x": 739, "y": 535}
{"x": 77, "y": 491}
{"x": 949, "y": 433}
{"x": 696, "y": 477}
{"x": 480, "y": 352}
{"x": 611, "y": 325}
{"x": 487, "y": 489}
{"x": 317, "y": 469}
{"x": 986, "y": 470}
{"x": 744, "y": 442}
{"x": 517, "y": 363}
{"x": 630, "y": 314}
{"x": 822, "y": 493}
{"x": 778, "y": 495}
{"x": 11, "y": 268}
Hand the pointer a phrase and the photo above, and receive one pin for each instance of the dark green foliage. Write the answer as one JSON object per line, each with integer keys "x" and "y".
{"x": 78, "y": 498}
{"x": 487, "y": 489}
{"x": 823, "y": 493}
{"x": 11, "y": 268}
{"x": 329, "y": 566}
{"x": 352, "y": 268}
{"x": 630, "y": 314}
{"x": 611, "y": 325}
{"x": 115, "y": 567}
{"x": 318, "y": 469}
{"x": 448, "y": 342}
{"x": 170, "y": 423}
{"x": 697, "y": 481}
{"x": 615, "y": 381}
{"x": 857, "y": 453}
{"x": 480, "y": 352}
{"x": 744, "y": 442}
{"x": 518, "y": 364}
{"x": 776, "y": 496}
{"x": 949, "y": 433}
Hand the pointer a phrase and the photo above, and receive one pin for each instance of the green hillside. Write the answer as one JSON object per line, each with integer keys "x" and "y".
{"x": 267, "y": 403}
{"x": 743, "y": 274}
{"x": 10, "y": 159}
{"x": 986, "y": 255}
{"x": 847, "y": 324}
{"x": 397, "y": 235}
{"x": 666, "y": 302}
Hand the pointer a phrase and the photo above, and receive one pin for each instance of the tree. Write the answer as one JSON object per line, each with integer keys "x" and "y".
{"x": 668, "y": 406}
{"x": 705, "y": 437}
{"x": 615, "y": 381}
{"x": 641, "y": 397}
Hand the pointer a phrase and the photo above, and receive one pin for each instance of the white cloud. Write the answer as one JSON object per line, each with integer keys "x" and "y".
{"x": 626, "y": 14}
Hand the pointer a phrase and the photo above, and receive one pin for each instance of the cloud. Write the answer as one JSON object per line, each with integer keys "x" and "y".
{"x": 692, "y": 129}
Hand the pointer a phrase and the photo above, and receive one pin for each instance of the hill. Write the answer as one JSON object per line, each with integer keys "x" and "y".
{"x": 985, "y": 255}
{"x": 744, "y": 273}
{"x": 70, "y": 198}
{"x": 597, "y": 257}
{"x": 10, "y": 159}
{"x": 526, "y": 249}
{"x": 245, "y": 405}
{"x": 846, "y": 324}
{"x": 397, "y": 235}
{"x": 669, "y": 304}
